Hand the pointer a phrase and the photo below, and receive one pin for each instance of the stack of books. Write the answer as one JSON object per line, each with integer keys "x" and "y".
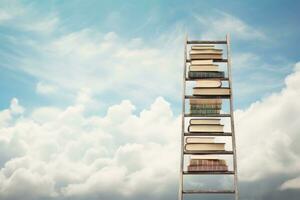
{"x": 205, "y": 126}
{"x": 198, "y": 144}
{"x": 206, "y": 102}
{"x": 198, "y": 165}
{"x": 205, "y": 106}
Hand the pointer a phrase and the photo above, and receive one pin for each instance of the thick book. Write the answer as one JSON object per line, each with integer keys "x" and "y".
{"x": 205, "y": 147}
{"x": 200, "y": 47}
{"x": 205, "y": 106}
{"x": 206, "y": 51}
{"x": 206, "y": 128}
{"x": 199, "y": 139}
{"x": 209, "y": 74}
{"x": 211, "y": 91}
{"x": 204, "y": 168}
{"x": 202, "y": 62}
{"x": 204, "y": 68}
{"x": 197, "y": 162}
{"x": 208, "y": 83}
{"x": 205, "y": 56}
{"x": 205, "y": 112}
{"x": 205, "y": 101}
{"x": 204, "y": 121}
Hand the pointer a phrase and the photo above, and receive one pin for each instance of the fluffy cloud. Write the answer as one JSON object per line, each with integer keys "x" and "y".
{"x": 65, "y": 154}
{"x": 268, "y": 133}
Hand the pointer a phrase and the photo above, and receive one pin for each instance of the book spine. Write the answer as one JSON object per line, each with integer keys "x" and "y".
{"x": 205, "y": 106}
{"x": 198, "y": 74}
{"x": 205, "y": 111}
{"x": 208, "y": 168}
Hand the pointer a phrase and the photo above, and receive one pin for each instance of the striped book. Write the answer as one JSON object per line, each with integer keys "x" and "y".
{"x": 213, "y": 74}
{"x": 205, "y": 106}
{"x": 205, "y": 112}
{"x": 216, "y": 168}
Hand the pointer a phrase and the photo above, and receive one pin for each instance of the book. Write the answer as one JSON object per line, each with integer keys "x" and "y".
{"x": 205, "y": 147}
{"x": 205, "y": 106}
{"x": 205, "y": 101}
{"x": 197, "y": 47}
{"x": 208, "y": 83}
{"x": 207, "y": 128}
{"x": 199, "y": 139}
{"x": 206, "y": 112}
{"x": 204, "y": 121}
{"x": 202, "y": 62}
{"x": 197, "y": 162}
{"x": 206, "y": 51}
{"x": 205, "y": 56}
{"x": 204, "y": 68}
{"x": 211, "y": 91}
{"x": 209, "y": 74}
{"x": 216, "y": 168}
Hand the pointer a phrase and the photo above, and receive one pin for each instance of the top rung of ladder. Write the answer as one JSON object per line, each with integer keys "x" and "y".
{"x": 206, "y": 42}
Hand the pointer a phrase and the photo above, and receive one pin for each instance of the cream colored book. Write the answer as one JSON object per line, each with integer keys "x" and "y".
{"x": 205, "y": 68}
{"x": 205, "y": 56}
{"x": 211, "y": 91}
{"x": 206, "y": 51}
{"x": 207, "y": 128}
{"x": 208, "y": 83}
{"x": 198, "y": 47}
{"x": 205, "y": 147}
{"x": 205, "y": 101}
{"x": 204, "y": 121}
{"x": 199, "y": 139}
{"x": 202, "y": 62}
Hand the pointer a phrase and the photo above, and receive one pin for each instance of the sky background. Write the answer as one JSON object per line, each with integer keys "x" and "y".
{"x": 91, "y": 96}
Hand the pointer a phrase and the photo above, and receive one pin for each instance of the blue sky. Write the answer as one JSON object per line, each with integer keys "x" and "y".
{"x": 148, "y": 20}
{"x": 93, "y": 88}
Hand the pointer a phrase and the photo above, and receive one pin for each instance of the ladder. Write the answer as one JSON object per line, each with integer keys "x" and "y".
{"x": 184, "y": 133}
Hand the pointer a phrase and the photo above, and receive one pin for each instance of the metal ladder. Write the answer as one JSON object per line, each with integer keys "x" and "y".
{"x": 231, "y": 134}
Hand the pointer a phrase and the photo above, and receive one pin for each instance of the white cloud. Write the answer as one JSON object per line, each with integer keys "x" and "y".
{"x": 24, "y": 17}
{"x": 106, "y": 63}
{"x": 218, "y": 25}
{"x": 45, "y": 89}
{"x": 64, "y": 153}
{"x": 267, "y": 133}
{"x": 291, "y": 184}
{"x": 141, "y": 151}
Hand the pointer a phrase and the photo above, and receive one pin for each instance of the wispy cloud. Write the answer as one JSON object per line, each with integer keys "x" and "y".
{"x": 221, "y": 23}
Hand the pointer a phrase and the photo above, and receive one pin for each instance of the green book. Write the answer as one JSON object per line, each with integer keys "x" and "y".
{"x": 205, "y": 106}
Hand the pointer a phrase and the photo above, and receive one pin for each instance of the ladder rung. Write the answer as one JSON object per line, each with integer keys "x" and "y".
{"x": 208, "y": 191}
{"x": 208, "y": 134}
{"x": 195, "y": 79}
{"x": 207, "y": 97}
{"x": 208, "y": 152}
{"x": 207, "y": 42}
{"x": 218, "y": 115}
{"x": 215, "y": 60}
{"x": 208, "y": 173}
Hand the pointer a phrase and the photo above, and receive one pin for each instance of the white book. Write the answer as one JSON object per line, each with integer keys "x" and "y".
{"x": 204, "y": 68}
{"x": 207, "y": 128}
{"x": 211, "y": 91}
{"x": 205, "y": 101}
{"x": 204, "y": 121}
{"x": 198, "y": 47}
{"x": 205, "y": 56}
{"x": 202, "y": 62}
{"x": 205, "y": 147}
{"x": 199, "y": 139}
{"x": 206, "y": 51}
{"x": 208, "y": 83}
